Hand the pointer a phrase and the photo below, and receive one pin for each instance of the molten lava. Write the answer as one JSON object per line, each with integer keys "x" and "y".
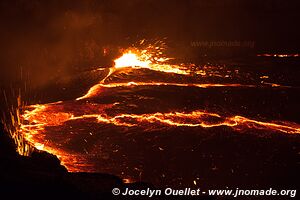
{"x": 278, "y": 55}
{"x": 130, "y": 60}
{"x": 42, "y": 123}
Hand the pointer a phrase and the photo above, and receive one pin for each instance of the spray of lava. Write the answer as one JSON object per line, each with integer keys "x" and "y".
{"x": 13, "y": 123}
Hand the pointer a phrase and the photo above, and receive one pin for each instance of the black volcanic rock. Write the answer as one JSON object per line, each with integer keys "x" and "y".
{"x": 46, "y": 161}
{"x": 7, "y": 147}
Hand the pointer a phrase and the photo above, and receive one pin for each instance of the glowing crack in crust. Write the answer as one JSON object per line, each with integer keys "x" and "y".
{"x": 278, "y": 55}
{"x": 42, "y": 116}
{"x": 96, "y": 88}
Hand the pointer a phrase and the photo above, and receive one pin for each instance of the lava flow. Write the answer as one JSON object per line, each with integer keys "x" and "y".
{"x": 50, "y": 127}
{"x": 278, "y": 55}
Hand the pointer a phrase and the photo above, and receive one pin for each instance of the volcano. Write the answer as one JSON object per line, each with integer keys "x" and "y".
{"x": 148, "y": 119}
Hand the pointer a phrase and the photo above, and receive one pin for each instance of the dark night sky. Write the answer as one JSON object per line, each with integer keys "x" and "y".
{"x": 47, "y": 38}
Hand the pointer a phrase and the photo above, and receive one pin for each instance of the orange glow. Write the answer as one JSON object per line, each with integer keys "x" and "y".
{"x": 96, "y": 88}
{"x": 12, "y": 126}
{"x": 278, "y": 55}
{"x": 36, "y": 119}
{"x": 143, "y": 59}
{"x": 195, "y": 118}
{"x": 130, "y": 60}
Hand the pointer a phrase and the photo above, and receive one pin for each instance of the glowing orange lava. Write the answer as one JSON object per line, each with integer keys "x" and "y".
{"x": 37, "y": 118}
{"x": 278, "y": 55}
{"x": 43, "y": 116}
{"x": 130, "y": 60}
{"x": 96, "y": 88}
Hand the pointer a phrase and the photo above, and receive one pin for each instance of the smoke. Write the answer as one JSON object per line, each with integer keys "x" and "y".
{"x": 46, "y": 40}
